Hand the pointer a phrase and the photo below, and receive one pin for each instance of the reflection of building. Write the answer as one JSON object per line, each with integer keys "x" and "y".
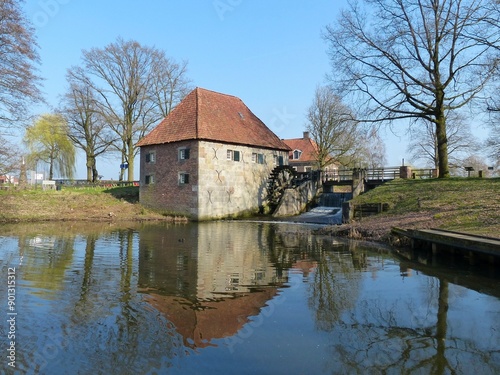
{"x": 207, "y": 279}
{"x": 199, "y": 324}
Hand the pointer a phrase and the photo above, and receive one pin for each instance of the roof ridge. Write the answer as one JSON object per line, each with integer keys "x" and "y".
{"x": 197, "y": 117}
{"x": 217, "y": 92}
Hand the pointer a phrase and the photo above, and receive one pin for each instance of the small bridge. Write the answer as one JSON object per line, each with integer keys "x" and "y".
{"x": 353, "y": 177}
{"x": 346, "y": 176}
{"x": 301, "y": 187}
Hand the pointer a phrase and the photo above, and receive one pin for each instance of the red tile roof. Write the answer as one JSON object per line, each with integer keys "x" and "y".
{"x": 208, "y": 115}
{"x": 306, "y": 145}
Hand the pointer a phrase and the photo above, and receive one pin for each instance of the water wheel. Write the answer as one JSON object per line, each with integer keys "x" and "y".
{"x": 281, "y": 178}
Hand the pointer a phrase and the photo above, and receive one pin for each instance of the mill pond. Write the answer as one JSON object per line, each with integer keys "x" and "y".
{"x": 236, "y": 298}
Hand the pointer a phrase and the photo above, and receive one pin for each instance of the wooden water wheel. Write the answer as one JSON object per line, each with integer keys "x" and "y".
{"x": 281, "y": 178}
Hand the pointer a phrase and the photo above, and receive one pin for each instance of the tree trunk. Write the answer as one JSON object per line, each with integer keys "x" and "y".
{"x": 130, "y": 157}
{"x": 442, "y": 147}
{"x": 90, "y": 164}
{"x": 51, "y": 169}
{"x": 122, "y": 172}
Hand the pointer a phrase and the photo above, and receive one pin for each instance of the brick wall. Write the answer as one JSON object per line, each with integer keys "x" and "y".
{"x": 166, "y": 192}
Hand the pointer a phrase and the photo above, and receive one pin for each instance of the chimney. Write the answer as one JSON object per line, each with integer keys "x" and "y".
{"x": 306, "y": 135}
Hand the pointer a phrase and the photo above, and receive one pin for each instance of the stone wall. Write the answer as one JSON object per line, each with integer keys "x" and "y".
{"x": 231, "y": 186}
{"x": 295, "y": 200}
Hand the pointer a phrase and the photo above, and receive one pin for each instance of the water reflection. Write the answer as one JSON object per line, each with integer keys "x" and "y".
{"x": 428, "y": 329}
{"x": 240, "y": 297}
{"x": 207, "y": 279}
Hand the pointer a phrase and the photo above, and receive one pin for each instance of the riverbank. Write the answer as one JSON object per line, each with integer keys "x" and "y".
{"x": 469, "y": 205}
{"x": 76, "y": 204}
{"x": 461, "y": 204}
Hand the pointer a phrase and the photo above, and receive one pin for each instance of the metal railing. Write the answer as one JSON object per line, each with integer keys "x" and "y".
{"x": 378, "y": 174}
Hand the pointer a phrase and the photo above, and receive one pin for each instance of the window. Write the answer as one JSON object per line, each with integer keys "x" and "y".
{"x": 150, "y": 179}
{"x": 183, "y": 178}
{"x": 233, "y": 155}
{"x": 183, "y": 153}
{"x": 151, "y": 157}
{"x": 257, "y": 158}
{"x": 296, "y": 154}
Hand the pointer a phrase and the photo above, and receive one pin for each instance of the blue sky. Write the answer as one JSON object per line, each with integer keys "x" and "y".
{"x": 268, "y": 53}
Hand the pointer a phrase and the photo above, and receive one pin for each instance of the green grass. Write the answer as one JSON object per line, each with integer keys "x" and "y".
{"x": 71, "y": 203}
{"x": 463, "y": 204}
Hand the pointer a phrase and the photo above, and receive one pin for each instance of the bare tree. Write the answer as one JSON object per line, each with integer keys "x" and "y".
{"x": 87, "y": 128}
{"x": 19, "y": 83}
{"x": 10, "y": 160}
{"x": 461, "y": 142}
{"x": 477, "y": 163}
{"x": 493, "y": 106}
{"x": 414, "y": 59}
{"x": 170, "y": 86}
{"x": 370, "y": 150}
{"x": 493, "y": 143}
{"x": 333, "y": 127}
{"x": 128, "y": 80}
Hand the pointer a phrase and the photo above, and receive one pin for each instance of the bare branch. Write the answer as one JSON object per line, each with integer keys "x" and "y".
{"x": 414, "y": 59}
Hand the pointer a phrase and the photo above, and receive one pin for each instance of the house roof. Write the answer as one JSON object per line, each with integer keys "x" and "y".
{"x": 308, "y": 147}
{"x": 208, "y": 115}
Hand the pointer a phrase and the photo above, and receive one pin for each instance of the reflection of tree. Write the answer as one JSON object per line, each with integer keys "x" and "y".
{"x": 46, "y": 261}
{"x": 334, "y": 289}
{"x": 441, "y": 363}
{"x": 97, "y": 321}
{"x": 382, "y": 338}
{"x": 377, "y": 336}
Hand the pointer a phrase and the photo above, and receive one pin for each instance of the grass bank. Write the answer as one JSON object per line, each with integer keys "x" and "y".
{"x": 470, "y": 205}
{"x": 75, "y": 204}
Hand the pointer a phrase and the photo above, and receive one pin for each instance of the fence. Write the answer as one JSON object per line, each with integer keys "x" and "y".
{"x": 424, "y": 173}
{"x": 101, "y": 183}
{"x": 57, "y": 184}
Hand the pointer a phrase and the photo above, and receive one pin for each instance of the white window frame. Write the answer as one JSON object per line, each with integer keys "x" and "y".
{"x": 151, "y": 155}
{"x": 181, "y": 155}
{"x": 296, "y": 154}
{"x": 182, "y": 178}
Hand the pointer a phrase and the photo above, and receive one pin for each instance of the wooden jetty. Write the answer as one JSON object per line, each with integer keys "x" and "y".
{"x": 445, "y": 240}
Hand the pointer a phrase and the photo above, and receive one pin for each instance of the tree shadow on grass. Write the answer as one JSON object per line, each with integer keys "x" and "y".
{"x": 127, "y": 193}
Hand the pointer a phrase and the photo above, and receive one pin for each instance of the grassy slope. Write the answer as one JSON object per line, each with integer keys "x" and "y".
{"x": 91, "y": 204}
{"x": 463, "y": 204}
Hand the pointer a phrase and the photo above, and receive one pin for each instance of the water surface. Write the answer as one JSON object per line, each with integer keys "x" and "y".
{"x": 238, "y": 298}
